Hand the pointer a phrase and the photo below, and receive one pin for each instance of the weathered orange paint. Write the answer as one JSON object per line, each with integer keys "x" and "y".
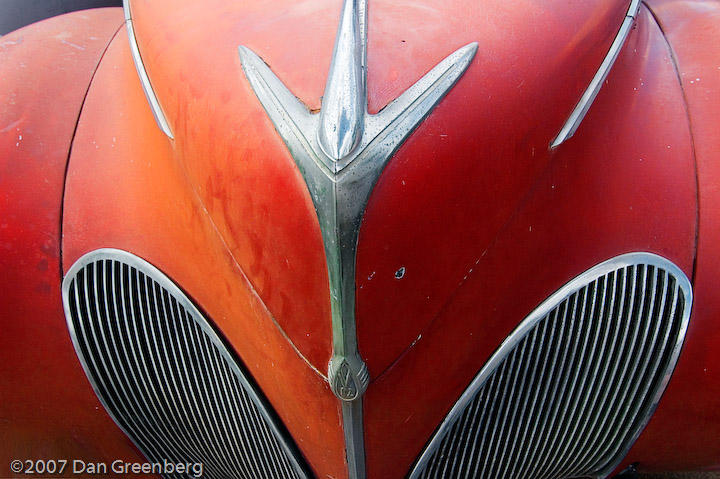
{"x": 126, "y": 189}
{"x": 233, "y": 158}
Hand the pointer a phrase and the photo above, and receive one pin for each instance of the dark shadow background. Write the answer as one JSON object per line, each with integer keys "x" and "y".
{"x": 18, "y": 13}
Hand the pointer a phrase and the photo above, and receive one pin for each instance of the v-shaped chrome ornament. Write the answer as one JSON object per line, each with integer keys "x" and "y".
{"x": 341, "y": 152}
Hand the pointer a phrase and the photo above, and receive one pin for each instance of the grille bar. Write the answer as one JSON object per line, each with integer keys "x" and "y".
{"x": 570, "y": 390}
{"x": 165, "y": 376}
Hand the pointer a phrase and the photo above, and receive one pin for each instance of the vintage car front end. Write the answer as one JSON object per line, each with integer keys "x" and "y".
{"x": 362, "y": 239}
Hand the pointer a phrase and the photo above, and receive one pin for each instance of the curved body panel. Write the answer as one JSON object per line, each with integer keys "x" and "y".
{"x": 229, "y": 147}
{"x": 684, "y": 433}
{"x": 46, "y": 68}
{"x": 126, "y": 189}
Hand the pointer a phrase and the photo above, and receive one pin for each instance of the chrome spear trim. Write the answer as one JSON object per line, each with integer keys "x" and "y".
{"x": 588, "y": 97}
{"x": 341, "y": 153}
{"x": 152, "y": 99}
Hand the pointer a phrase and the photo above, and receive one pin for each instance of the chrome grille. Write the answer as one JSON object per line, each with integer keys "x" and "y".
{"x": 569, "y": 391}
{"x": 165, "y": 376}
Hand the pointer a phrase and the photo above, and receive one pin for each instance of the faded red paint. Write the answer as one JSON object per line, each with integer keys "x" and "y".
{"x": 485, "y": 219}
{"x": 47, "y": 407}
{"x": 602, "y": 193}
{"x": 684, "y": 433}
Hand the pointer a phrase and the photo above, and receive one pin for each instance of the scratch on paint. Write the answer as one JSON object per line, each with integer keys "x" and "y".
{"x": 10, "y": 126}
{"x": 79, "y": 47}
{"x": 8, "y": 43}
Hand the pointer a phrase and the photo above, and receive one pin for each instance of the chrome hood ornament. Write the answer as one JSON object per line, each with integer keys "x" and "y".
{"x": 341, "y": 152}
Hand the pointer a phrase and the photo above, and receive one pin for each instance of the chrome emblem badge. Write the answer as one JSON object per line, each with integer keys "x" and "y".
{"x": 346, "y": 385}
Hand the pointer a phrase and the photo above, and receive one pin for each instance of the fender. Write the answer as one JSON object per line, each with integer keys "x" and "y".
{"x": 46, "y": 70}
{"x": 18, "y": 13}
{"x": 684, "y": 433}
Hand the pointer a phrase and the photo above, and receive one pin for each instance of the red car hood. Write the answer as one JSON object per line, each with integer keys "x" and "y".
{"x": 446, "y": 192}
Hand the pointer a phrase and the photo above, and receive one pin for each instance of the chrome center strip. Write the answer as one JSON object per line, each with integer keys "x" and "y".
{"x": 341, "y": 153}
{"x": 588, "y": 97}
{"x": 142, "y": 74}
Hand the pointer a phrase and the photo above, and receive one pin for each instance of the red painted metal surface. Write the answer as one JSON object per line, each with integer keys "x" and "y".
{"x": 684, "y": 433}
{"x": 234, "y": 159}
{"x": 47, "y": 407}
{"x": 602, "y": 193}
{"x": 486, "y": 220}
{"x": 276, "y": 236}
{"x": 456, "y": 182}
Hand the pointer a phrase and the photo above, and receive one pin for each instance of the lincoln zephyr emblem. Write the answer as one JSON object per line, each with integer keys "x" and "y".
{"x": 344, "y": 383}
{"x": 341, "y": 152}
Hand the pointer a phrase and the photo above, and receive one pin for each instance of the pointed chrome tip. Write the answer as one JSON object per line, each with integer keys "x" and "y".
{"x": 251, "y": 63}
{"x": 246, "y": 55}
{"x": 344, "y": 102}
{"x": 340, "y": 132}
{"x": 468, "y": 51}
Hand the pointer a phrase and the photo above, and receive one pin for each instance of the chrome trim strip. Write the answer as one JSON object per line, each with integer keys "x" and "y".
{"x": 139, "y": 388}
{"x": 637, "y": 260}
{"x": 352, "y": 413}
{"x": 341, "y": 153}
{"x": 152, "y": 99}
{"x": 588, "y": 97}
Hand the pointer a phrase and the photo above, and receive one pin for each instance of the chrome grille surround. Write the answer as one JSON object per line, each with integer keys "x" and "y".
{"x": 165, "y": 376}
{"x": 569, "y": 391}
